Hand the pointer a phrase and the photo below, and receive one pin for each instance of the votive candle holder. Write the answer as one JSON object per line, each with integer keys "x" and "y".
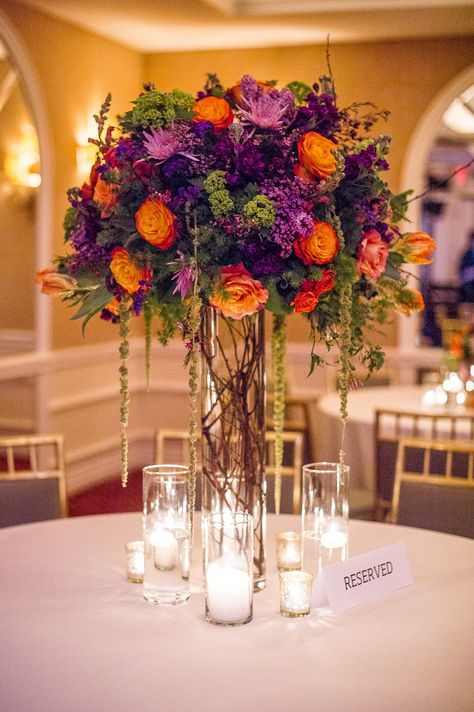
{"x": 288, "y": 551}
{"x": 135, "y": 557}
{"x": 295, "y": 593}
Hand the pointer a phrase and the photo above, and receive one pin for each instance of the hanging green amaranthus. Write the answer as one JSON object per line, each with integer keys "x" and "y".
{"x": 278, "y": 367}
{"x": 124, "y": 351}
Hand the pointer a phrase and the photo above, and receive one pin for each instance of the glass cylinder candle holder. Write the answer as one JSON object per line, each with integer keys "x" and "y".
{"x": 295, "y": 593}
{"x": 135, "y": 557}
{"x": 325, "y": 514}
{"x": 228, "y": 568}
{"x": 166, "y": 534}
{"x": 288, "y": 551}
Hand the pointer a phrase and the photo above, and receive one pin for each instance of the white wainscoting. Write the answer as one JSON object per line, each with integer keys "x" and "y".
{"x": 76, "y": 392}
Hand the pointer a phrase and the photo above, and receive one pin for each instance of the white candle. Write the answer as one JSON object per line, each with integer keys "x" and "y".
{"x": 228, "y": 592}
{"x": 333, "y": 539}
{"x": 165, "y": 548}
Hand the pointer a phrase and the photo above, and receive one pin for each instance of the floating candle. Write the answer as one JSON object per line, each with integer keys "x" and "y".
{"x": 165, "y": 548}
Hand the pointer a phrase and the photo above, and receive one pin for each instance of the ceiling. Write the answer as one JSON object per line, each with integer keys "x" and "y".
{"x": 174, "y": 25}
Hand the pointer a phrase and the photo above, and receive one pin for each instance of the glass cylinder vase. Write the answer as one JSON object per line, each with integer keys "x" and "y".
{"x": 233, "y": 423}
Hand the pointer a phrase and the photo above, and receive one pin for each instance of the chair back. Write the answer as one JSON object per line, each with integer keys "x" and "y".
{"x": 172, "y": 445}
{"x": 392, "y": 425}
{"x": 434, "y": 485}
{"x": 32, "y": 479}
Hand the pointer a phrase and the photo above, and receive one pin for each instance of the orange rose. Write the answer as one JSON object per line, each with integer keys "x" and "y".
{"x": 320, "y": 247}
{"x": 311, "y": 289}
{"x": 415, "y": 247}
{"x": 54, "y": 283}
{"x": 306, "y": 300}
{"x": 215, "y": 110}
{"x": 106, "y": 195}
{"x": 239, "y": 294}
{"x": 316, "y": 156}
{"x": 372, "y": 255}
{"x": 155, "y": 223}
{"x": 411, "y": 301}
{"x": 127, "y": 274}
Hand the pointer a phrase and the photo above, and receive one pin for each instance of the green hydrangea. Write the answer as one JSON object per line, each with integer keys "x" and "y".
{"x": 260, "y": 209}
{"x": 215, "y": 182}
{"x": 221, "y": 203}
{"x": 159, "y": 109}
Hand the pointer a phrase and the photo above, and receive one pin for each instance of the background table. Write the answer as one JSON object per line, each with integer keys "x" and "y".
{"x": 359, "y": 441}
{"x": 77, "y": 637}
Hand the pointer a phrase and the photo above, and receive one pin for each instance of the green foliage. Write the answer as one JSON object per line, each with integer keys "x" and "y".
{"x": 158, "y": 109}
{"x": 215, "y": 181}
{"x": 221, "y": 203}
{"x": 300, "y": 91}
{"x": 399, "y": 205}
{"x": 261, "y": 209}
{"x": 70, "y": 223}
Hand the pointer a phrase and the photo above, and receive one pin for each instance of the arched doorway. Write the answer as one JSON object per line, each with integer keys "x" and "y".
{"x": 28, "y": 78}
{"x": 414, "y": 173}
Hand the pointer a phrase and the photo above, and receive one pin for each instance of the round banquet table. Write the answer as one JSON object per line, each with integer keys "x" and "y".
{"x": 359, "y": 440}
{"x": 76, "y": 636}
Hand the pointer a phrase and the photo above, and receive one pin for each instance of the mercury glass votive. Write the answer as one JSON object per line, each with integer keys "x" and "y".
{"x": 288, "y": 551}
{"x": 134, "y": 551}
{"x": 295, "y": 593}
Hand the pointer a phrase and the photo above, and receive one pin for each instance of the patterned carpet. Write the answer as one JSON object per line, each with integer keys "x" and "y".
{"x": 109, "y": 497}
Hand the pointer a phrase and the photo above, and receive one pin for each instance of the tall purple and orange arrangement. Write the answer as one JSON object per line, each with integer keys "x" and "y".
{"x": 203, "y": 211}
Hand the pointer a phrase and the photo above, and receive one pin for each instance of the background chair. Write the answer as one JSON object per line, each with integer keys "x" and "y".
{"x": 32, "y": 479}
{"x": 390, "y": 426}
{"x": 173, "y": 446}
{"x": 434, "y": 486}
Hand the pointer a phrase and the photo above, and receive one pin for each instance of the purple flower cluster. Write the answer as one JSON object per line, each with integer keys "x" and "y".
{"x": 245, "y": 181}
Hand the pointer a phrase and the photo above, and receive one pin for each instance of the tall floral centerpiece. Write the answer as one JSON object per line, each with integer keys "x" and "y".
{"x": 206, "y": 210}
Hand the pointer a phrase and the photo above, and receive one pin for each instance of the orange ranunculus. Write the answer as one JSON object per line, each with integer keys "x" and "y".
{"x": 311, "y": 289}
{"x": 114, "y": 306}
{"x": 316, "y": 156}
{"x": 236, "y": 91}
{"x": 320, "y": 247}
{"x": 372, "y": 255}
{"x": 412, "y": 301}
{"x": 239, "y": 293}
{"x": 155, "y": 223}
{"x": 415, "y": 247}
{"x": 52, "y": 282}
{"x": 106, "y": 195}
{"x": 127, "y": 274}
{"x": 215, "y": 110}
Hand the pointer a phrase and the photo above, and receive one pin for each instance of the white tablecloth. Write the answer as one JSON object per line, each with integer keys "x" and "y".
{"x": 77, "y": 637}
{"x": 359, "y": 442}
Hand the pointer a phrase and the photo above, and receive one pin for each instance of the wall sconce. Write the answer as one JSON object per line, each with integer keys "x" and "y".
{"x": 22, "y": 166}
{"x": 85, "y": 159}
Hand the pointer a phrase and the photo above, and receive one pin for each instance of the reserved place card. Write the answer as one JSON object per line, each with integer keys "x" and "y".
{"x": 363, "y": 578}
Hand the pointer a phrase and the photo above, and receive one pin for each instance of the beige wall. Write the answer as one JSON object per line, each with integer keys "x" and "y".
{"x": 17, "y": 219}
{"x": 77, "y": 69}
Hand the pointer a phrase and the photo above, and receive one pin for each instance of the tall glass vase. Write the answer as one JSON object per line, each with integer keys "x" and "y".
{"x": 233, "y": 422}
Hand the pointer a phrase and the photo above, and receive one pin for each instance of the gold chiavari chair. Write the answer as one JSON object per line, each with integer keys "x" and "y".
{"x": 172, "y": 445}
{"x": 392, "y": 425}
{"x": 32, "y": 479}
{"x": 434, "y": 485}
